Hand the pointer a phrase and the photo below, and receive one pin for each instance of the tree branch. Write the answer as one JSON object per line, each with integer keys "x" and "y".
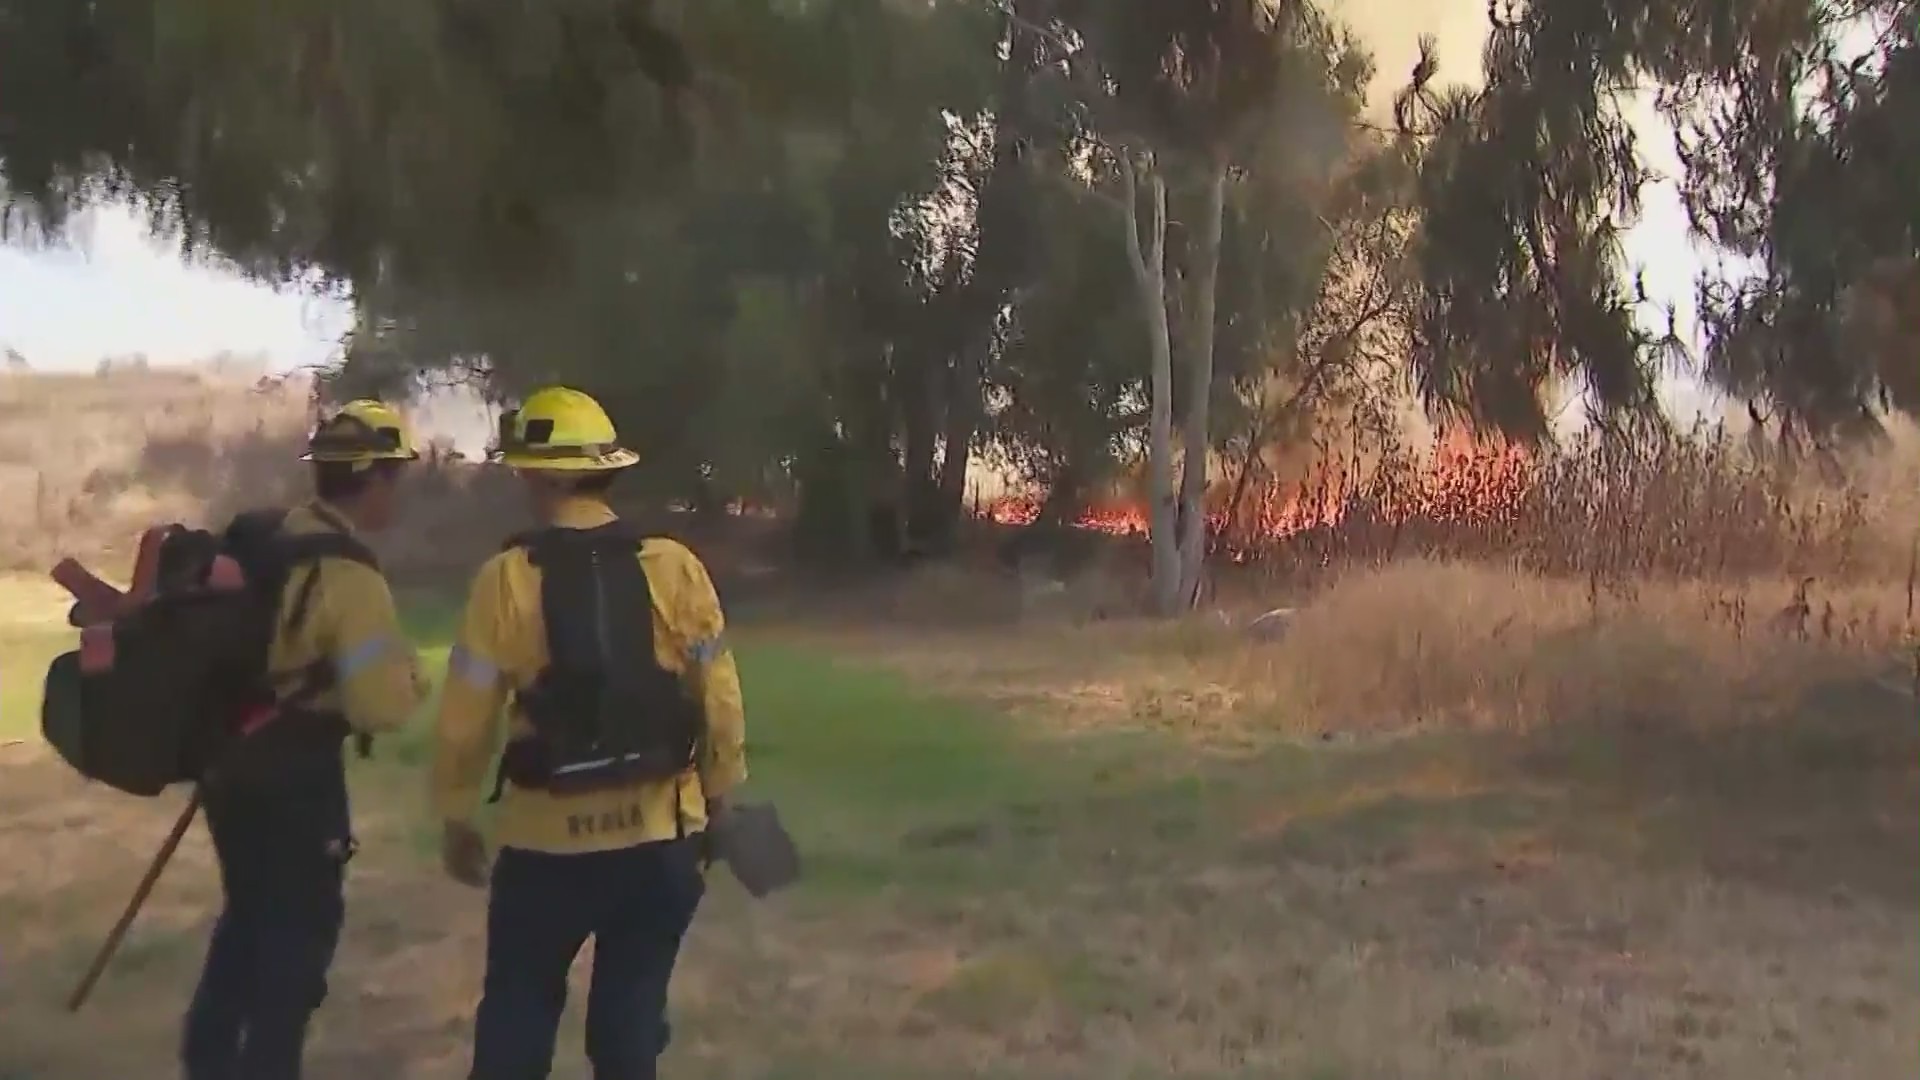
{"x": 1130, "y": 184}
{"x": 1159, "y": 220}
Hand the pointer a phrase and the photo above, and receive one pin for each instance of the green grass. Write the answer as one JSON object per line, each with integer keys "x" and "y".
{"x": 890, "y": 786}
{"x": 839, "y": 742}
{"x": 24, "y": 653}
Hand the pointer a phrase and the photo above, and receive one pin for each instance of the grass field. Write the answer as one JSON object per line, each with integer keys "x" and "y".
{"x": 1096, "y": 852}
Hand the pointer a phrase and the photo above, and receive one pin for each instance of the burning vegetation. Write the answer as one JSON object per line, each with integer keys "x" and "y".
{"x": 1694, "y": 504}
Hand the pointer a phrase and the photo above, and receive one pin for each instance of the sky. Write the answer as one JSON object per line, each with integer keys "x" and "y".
{"x": 112, "y": 289}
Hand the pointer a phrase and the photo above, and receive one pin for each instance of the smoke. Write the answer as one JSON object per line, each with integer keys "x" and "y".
{"x": 1392, "y": 30}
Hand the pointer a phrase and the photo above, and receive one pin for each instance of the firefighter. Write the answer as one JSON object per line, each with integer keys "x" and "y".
{"x": 283, "y": 838}
{"x": 602, "y": 654}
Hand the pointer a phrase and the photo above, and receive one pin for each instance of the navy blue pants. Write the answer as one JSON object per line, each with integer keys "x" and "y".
{"x": 636, "y": 903}
{"x": 282, "y": 855}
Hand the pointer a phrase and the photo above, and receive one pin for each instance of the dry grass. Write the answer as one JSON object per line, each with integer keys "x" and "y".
{"x": 1418, "y": 644}
{"x": 93, "y": 459}
{"x": 1621, "y": 892}
{"x": 96, "y": 459}
{"x": 1456, "y": 822}
{"x": 1432, "y": 911}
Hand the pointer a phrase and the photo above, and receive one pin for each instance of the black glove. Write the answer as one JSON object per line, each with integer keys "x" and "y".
{"x": 756, "y": 847}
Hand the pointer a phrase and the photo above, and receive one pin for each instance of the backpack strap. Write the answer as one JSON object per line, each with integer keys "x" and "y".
{"x": 280, "y": 554}
{"x": 558, "y": 613}
{"x": 544, "y": 545}
{"x": 307, "y": 548}
{"x": 532, "y": 539}
{"x": 263, "y": 521}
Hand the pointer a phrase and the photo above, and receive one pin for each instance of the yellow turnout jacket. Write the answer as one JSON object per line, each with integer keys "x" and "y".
{"x": 351, "y": 620}
{"x": 501, "y": 647}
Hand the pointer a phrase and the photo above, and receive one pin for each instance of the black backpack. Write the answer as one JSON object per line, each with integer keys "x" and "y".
{"x": 189, "y": 667}
{"x": 605, "y": 714}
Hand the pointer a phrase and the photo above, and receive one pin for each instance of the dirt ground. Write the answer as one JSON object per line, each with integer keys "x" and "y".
{"x": 1071, "y": 850}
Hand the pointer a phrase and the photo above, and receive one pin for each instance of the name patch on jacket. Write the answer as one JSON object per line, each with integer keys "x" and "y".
{"x": 581, "y": 825}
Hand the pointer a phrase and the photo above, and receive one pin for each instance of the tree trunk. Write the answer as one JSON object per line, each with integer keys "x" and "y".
{"x": 962, "y": 425}
{"x": 1199, "y": 370}
{"x": 966, "y": 404}
{"x": 1148, "y": 258}
{"x": 829, "y": 527}
{"x": 919, "y": 501}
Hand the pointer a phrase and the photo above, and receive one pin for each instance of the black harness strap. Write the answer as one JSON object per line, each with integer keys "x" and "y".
{"x": 289, "y": 553}
{"x": 594, "y": 626}
{"x": 571, "y": 639}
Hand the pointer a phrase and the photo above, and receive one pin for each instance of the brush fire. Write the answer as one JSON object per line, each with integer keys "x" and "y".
{"x": 1464, "y": 479}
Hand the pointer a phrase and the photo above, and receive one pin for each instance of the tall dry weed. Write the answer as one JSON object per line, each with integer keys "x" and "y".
{"x": 1684, "y": 505}
{"x": 86, "y": 461}
{"x": 1463, "y": 643}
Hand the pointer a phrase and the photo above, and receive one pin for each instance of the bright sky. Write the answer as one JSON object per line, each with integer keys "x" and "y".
{"x": 112, "y": 289}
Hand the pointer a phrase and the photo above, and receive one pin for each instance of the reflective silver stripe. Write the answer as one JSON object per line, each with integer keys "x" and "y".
{"x": 707, "y": 651}
{"x": 598, "y": 763}
{"x": 475, "y": 671}
{"x": 362, "y": 656}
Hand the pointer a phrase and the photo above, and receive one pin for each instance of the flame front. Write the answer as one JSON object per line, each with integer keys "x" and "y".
{"x": 1466, "y": 479}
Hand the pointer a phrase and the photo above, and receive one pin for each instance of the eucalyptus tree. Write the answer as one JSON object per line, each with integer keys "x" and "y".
{"x": 1179, "y": 100}
{"x": 1796, "y": 128}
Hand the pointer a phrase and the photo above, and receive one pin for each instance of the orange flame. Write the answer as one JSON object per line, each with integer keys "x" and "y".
{"x": 1466, "y": 479}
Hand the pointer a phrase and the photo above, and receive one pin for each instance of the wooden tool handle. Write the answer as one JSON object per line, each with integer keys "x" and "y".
{"x": 139, "y": 899}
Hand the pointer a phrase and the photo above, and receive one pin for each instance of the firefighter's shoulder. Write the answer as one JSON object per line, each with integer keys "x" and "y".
{"x": 672, "y": 562}
{"x": 514, "y": 557}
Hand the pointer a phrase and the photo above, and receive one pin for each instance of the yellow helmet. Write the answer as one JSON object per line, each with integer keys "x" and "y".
{"x": 562, "y": 430}
{"x": 362, "y": 432}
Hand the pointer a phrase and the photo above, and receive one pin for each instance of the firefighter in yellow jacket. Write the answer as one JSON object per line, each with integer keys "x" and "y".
{"x": 339, "y": 663}
{"x": 602, "y": 653}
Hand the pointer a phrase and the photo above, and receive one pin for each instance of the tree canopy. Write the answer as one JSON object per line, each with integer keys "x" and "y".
{"x": 1795, "y": 127}
{"x": 841, "y": 246}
